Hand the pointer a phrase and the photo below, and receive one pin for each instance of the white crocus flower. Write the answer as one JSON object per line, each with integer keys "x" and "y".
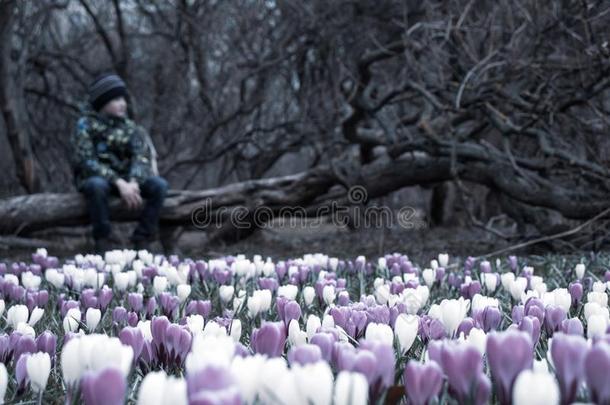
{"x": 3, "y": 382}
{"x": 328, "y": 294}
{"x": 195, "y": 323}
{"x": 38, "y": 366}
{"x": 121, "y": 281}
{"x": 17, "y": 314}
{"x": 518, "y": 287}
{"x": 55, "y": 278}
{"x": 443, "y": 259}
{"x": 254, "y": 305}
{"x": 382, "y": 294}
{"x": 226, "y": 293}
{"x": 289, "y": 291}
{"x": 380, "y": 332}
{"x": 183, "y": 291}
{"x": 265, "y": 299}
{"x": 72, "y": 320}
{"x": 235, "y": 330}
{"x": 35, "y": 316}
{"x": 158, "y": 388}
{"x": 309, "y": 294}
{"x": 30, "y": 281}
{"x": 507, "y": 280}
{"x": 159, "y": 284}
{"x": 453, "y": 313}
{"x": 92, "y": 318}
{"x": 599, "y": 287}
{"x": 535, "y": 388}
{"x": 429, "y": 276}
{"x": 405, "y": 329}
{"x": 312, "y": 326}
{"x": 296, "y": 336}
{"x": 580, "y": 270}
{"x": 25, "y": 329}
{"x": 478, "y": 339}
{"x": 601, "y": 298}
{"x": 597, "y": 325}
{"x": 328, "y": 322}
{"x": 314, "y": 383}
{"x": 351, "y": 389}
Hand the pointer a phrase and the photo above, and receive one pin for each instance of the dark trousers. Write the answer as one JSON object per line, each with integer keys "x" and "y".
{"x": 97, "y": 190}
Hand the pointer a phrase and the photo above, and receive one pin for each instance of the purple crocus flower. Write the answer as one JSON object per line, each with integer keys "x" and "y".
{"x": 423, "y": 382}
{"x": 21, "y": 372}
{"x": 430, "y": 329}
{"x": 597, "y": 367}
{"x": 171, "y": 342}
{"x": 267, "y": 283}
{"x": 325, "y": 342}
{"x": 576, "y": 292}
{"x": 213, "y": 385}
{"x": 554, "y": 316}
{"x": 5, "y": 348}
{"x": 106, "y": 387}
{"x": 568, "y": 353}
{"x": 383, "y": 376}
{"x": 351, "y": 359}
{"x": 119, "y": 315}
{"x": 88, "y": 298}
{"x": 104, "y": 297}
{"x": 513, "y": 263}
{"x": 292, "y": 310}
{"x": 269, "y": 339}
{"x": 47, "y": 342}
{"x": 22, "y": 344}
{"x": 488, "y": 318}
{"x": 304, "y": 354}
{"x": 508, "y": 353}
{"x": 42, "y": 298}
{"x": 469, "y": 290}
{"x": 517, "y": 313}
{"x": 532, "y": 326}
{"x": 199, "y": 307}
{"x": 483, "y": 390}
{"x": 132, "y": 319}
{"x": 169, "y": 304}
{"x": 68, "y": 305}
{"x": 534, "y": 307}
{"x": 572, "y": 326}
{"x": 176, "y": 345}
{"x": 133, "y": 337}
{"x": 465, "y": 326}
{"x": 151, "y": 306}
{"x": 280, "y": 303}
{"x": 462, "y": 365}
{"x": 135, "y": 301}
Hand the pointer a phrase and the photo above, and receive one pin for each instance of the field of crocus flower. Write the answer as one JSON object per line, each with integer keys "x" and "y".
{"x": 133, "y": 327}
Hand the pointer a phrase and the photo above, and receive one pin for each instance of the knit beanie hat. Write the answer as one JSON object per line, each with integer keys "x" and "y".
{"x": 106, "y": 88}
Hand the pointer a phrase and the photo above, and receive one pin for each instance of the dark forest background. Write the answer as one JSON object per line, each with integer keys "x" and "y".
{"x": 486, "y": 116}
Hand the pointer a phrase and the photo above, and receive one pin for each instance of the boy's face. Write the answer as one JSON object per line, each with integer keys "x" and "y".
{"x": 116, "y": 107}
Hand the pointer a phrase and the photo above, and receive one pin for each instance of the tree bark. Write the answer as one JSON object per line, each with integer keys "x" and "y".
{"x": 12, "y": 102}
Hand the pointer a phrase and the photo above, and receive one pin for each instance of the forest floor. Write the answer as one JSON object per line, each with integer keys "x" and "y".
{"x": 289, "y": 242}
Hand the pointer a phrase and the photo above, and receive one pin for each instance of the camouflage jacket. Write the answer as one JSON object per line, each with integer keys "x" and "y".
{"x": 109, "y": 147}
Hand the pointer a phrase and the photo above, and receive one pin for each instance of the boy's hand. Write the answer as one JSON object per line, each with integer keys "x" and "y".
{"x": 130, "y": 193}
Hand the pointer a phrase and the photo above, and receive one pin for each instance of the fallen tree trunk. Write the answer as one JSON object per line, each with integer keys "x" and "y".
{"x": 309, "y": 190}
